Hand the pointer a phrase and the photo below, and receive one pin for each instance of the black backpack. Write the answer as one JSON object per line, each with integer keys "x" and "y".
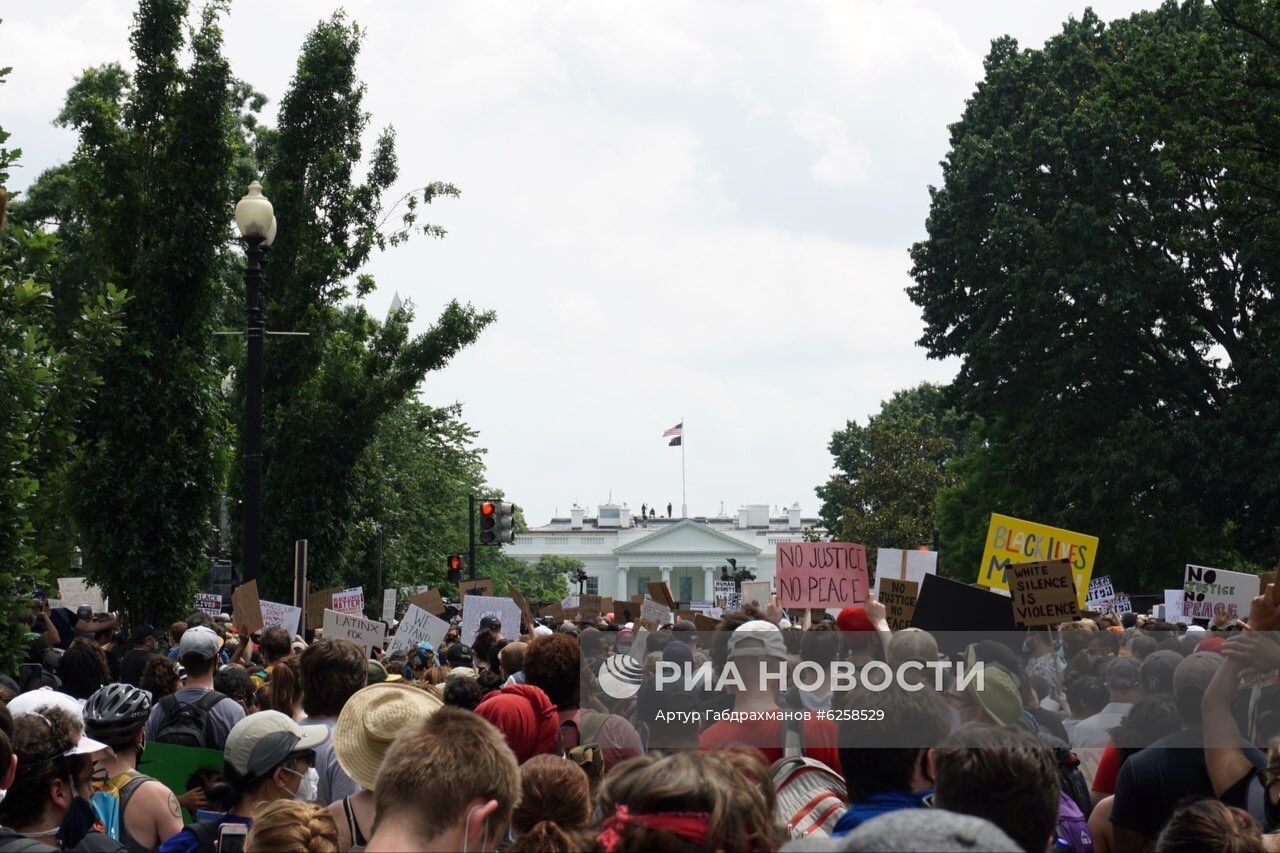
{"x": 188, "y": 724}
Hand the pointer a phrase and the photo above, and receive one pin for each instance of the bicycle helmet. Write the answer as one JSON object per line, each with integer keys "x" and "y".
{"x": 114, "y": 713}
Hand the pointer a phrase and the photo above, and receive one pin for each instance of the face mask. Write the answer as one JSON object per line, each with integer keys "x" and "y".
{"x": 79, "y": 820}
{"x": 308, "y": 785}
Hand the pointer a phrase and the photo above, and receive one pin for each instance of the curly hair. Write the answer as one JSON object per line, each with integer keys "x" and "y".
{"x": 159, "y": 677}
{"x": 83, "y": 668}
{"x": 40, "y": 741}
{"x": 552, "y": 663}
{"x": 555, "y": 800}
{"x": 291, "y": 826}
{"x": 463, "y": 691}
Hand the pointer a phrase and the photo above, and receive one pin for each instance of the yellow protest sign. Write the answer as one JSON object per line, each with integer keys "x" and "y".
{"x": 1012, "y": 540}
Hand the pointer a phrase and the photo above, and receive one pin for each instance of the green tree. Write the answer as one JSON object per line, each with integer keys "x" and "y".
{"x": 1101, "y": 257}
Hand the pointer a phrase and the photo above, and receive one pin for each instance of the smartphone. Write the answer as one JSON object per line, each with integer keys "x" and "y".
{"x": 29, "y": 679}
{"x": 231, "y": 837}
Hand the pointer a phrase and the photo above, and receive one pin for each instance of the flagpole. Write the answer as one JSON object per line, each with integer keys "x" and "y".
{"x": 684, "y": 495}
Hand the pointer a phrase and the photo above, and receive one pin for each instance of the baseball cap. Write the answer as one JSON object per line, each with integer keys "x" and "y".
{"x": 912, "y": 644}
{"x": 490, "y": 621}
{"x": 141, "y": 633}
{"x": 199, "y": 641}
{"x": 33, "y": 701}
{"x": 854, "y": 619}
{"x": 261, "y": 741}
{"x": 757, "y": 639}
{"x": 1212, "y": 644}
{"x": 1123, "y": 674}
{"x": 999, "y": 695}
{"x": 459, "y": 654}
{"x": 1157, "y": 671}
{"x": 1195, "y": 671}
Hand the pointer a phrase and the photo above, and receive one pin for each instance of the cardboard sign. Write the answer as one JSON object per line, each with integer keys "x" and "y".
{"x": 705, "y": 623}
{"x": 640, "y": 645}
{"x": 905, "y": 565}
{"x": 589, "y": 606}
{"x": 479, "y": 606}
{"x": 660, "y": 591}
{"x": 655, "y": 612}
{"x": 284, "y": 616}
{"x": 479, "y": 586}
{"x": 606, "y": 605}
{"x": 1207, "y": 592}
{"x": 1012, "y": 540}
{"x": 638, "y": 598}
{"x": 947, "y": 605}
{"x": 245, "y": 607}
{"x": 418, "y": 626}
{"x": 317, "y": 603}
{"x": 526, "y": 612}
{"x": 389, "y": 605}
{"x": 76, "y": 592}
{"x": 430, "y": 601}
{"x": 555, "y": 611}
{"x": 1173, "y": 607}
{"x": 569, "y": 601}
{"x": 1043, "y": 593}
{"x": 899, "y": 599}
{"x": 821, "y": 575}
{"x": 759, "y": 593}
{"x": 359, "y": 630}
{"x": 349, "y": 600}
{"x": 207, "y": 602}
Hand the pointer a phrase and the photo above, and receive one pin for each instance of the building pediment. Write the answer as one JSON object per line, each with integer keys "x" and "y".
{"x": 687, "y": 537}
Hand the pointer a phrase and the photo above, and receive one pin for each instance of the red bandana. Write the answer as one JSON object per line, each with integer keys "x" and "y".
{"x": 688, "y": 825}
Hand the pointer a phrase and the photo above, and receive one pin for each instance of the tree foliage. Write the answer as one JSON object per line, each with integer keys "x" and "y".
{"x": 1101, "y": 256}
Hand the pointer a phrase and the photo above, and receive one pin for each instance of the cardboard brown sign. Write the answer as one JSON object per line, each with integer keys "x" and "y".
{"x": 317, "y": 603}
{"x": 899, "y": 599}
{"x": 247, "y": 609}
{"x": 554, "y": 610}
{"x": 606, "y": 605}
{"x": 526, "y": 612}
{"x": 637, "y": 599}
{"x": 1044, "y": 593}
{"x": 430, "y": 601}
{"x": 660, "y": 591}
{"x": 703, "y": 622}
{"x": 589, "y": 606}
{"x": 479, "y": 586}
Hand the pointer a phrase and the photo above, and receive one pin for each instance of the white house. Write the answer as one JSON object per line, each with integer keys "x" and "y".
{"x": 622, "y": 553}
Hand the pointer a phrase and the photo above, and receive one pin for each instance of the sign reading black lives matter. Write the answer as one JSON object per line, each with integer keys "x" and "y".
{"x": 1044, "y": 593}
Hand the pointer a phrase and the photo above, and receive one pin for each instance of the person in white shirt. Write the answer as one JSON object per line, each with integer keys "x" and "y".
{"x": 1091, "y": 735}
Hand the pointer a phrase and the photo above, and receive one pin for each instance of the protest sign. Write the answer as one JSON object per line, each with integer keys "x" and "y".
{"x": 638, "y": 598}
{"x": 655, "y": 612}
{"x": 727, "y": 595}
{"x": 947, "y": 605}
{"x": 246, "y": 609}
{"x": 1043, "y": 592}
{"x": 476, "y": 586}
{"x": 640, "y": 645}
{"x": 418, "y": 626}
{"x": 589, "y": 606}
{"x": 349, "y": 600}
{"x": 903, "y": 564}
{"x": 477, "y": 606}
{"x": 208, "y": 602}
{"x": 1121, "y": 603}
{"x": 281, "y": 616}
{"x": 526, "y": 612}
{"x": 554, "y": 611}
{"x": 77, "y": 592}
{"x": 821, "y": 575}
{"x": 173, "y": 766}
{"x": 757, "y": 592}
{"x": 1207, "y": 592}
{"x": 660, "y": 591}
{"x": 606, "y": 605}
{"x": 1012, "y": 540}
{"x": 705, "y": 623}
{"x": 1100, "y": 595}
{"x": 359, "y": 630}
{"x": 389, "y": 605}
{"x": 317, "y": 603}
{"x": 569, "y": 601}
{"x": 430, "y": 601}
{"x": 899, "y": 599}
{"x": 1173, "y": 607}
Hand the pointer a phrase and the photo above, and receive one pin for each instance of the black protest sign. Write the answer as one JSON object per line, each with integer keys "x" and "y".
{"x": 947, "y": 605}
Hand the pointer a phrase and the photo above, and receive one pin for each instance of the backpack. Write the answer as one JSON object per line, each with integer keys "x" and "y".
{"x": 811, "y": 797}
{"x": 586, "y": 752}
{"x": 188, "y": 724}
{"x": 1073, "y": 827}
{"x": 110, "y": 799}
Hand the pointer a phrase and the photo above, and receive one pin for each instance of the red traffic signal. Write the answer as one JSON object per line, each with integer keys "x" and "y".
{"x": 455, "y": 563}
{"x": 488, "y": 508}
{"x": 497, "y": 522}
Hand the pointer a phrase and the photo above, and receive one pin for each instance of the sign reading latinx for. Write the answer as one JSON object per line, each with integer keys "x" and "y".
{"x": 821, "y": 575}
{"x": 1012, "y": 540}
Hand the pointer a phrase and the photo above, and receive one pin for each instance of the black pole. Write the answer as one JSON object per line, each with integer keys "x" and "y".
{"x": 255, "y": 291}
{"x": 471, "y": 537}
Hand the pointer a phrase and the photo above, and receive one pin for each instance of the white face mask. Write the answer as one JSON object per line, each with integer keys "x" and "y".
{"x": 309, "y": 785}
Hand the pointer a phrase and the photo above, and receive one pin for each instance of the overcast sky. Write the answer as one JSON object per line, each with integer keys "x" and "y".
{"x": 690, "y": 209}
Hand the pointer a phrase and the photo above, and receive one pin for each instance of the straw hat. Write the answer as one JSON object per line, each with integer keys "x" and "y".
{"x": 370, "y": 721}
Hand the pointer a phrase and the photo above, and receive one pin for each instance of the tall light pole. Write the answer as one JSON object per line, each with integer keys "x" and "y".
{"x": 257, "y": 224}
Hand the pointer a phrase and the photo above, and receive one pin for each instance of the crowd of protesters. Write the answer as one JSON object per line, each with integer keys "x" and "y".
{"x": 1107, "y": 733}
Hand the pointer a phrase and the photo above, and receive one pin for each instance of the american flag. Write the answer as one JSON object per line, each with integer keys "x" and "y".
{"x": 678, "y": 429}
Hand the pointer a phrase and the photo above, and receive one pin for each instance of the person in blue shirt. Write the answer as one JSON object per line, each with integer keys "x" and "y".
{"x": 888, "y": 762}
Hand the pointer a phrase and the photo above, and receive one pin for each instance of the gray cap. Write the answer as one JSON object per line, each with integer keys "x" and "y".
{"x": 201, "y": 642}
{"x": 915, "y": 829}
{"x": 757, "y": 639}
{"x": 1195, "y": 672}
{"x": 1157, "y": 671}
{"x": 261, "y": 741}
{"x": 1123, "y": 674}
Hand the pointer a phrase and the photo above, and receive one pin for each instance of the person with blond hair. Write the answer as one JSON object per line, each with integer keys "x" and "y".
{"x": 290, "y": 826}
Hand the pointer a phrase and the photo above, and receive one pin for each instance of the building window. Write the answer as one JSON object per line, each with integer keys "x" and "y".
{"x": 642, "y": 584}
{"x": 686, "y": 589}
{"x": 593, "y": 585}
{"x": 609, "y": 513}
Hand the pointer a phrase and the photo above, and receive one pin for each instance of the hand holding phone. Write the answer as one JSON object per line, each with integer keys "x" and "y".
{"x": 231, "y": 837}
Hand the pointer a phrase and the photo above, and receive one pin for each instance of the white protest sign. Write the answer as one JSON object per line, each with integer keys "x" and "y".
{"x": 918, "y": 564}
{"x": 1207, "y": 592}
{"x": 1100, "y": 594}
{"x": 349, "y": 600}
{"x": 476, "y": 607}
{"x": 389, "y": 605}
{"x": 359, "y": 630}
{"x": 569, "y": 602}
{"x": 418, "y": 626}
{"x": 1121, "y": 603}
{"x": 655, "y": 613}
{"x": 75, "y": 592}
{"x": 210, "y": 603}
{"x": 1173, "y": 607}
{"x": 284, "y": 616}
{"x": 757, "y": 592}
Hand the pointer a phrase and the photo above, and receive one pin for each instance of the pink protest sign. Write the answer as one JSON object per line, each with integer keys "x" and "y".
{"x": 821, "y": 575}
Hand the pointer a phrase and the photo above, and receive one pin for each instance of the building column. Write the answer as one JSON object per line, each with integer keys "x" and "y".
{"x": 666, "y": 577}
{"x": 622, "y": 591}
{"x": 709, "y": 582}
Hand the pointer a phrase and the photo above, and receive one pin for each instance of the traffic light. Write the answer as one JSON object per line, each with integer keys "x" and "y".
{"x": 455, "y": 568}
{"x": 497, "y": 523}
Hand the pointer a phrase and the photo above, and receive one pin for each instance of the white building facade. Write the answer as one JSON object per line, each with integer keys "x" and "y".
{"x": 622, "y": 553}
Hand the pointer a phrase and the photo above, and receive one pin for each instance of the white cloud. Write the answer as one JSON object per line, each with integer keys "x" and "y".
{"x": 841, "y": 163}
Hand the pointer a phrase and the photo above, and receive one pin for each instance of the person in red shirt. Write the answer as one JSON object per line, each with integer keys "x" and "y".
{"x": 757, "y": 651}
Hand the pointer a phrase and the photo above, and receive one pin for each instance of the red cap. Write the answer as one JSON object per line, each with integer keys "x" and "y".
{"x": 854, "y": 619}
{"x": 1212, "y": 644}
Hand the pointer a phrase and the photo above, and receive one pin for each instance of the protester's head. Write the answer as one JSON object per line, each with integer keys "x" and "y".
{"x": 176, "y": 631}
{"x": 371, "y": 720}
{"x": 551, "y": 664}
{"x": 83, "y": 668}
{"x": 275, "y": 644}
{"x": 332, "y": 671}
{"x": 1086, "y": 696}
{"x": 198, "y": 651}
{"x": 689, "y": 800}
{"x": 450, "y": 780}
{"x": 1124, "y": 679}
{"x": 143, "y": 637}
{"x": 462, "y": 691}
{"x": 1142, "y": 647}
{"x": 1151, "y": 718}
{"x": 1005, "y": 775}
{"x": 555, "y": 801}
{"x": 460, "y": 655}
{"x": 912, "y": 645}
{"x": 526, "y": 718}
{"x": 511, "y": 658}
{"x": 115, "y": 714}
{"x": 284, "y": 688}
{"x": 874, "y": 754}
{"x": 290, "y": 826}
{"x": 480, "y": 648}
{"x": 53, "y": 764}
{"x": 1210, "y": 825}
{"x": 1157, "y": 671}
{"x": 997, "y": 700}
{"x": 267, "y": 757}
{"x": 751, "y": 644}
{"x": 233, "y": 680}
{"x": 160, "y": 677}
{"x": 1190, "y": 680}
{"x": 938, "y": 830}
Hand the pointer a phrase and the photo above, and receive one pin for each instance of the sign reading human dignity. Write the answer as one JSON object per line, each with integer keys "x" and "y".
{"x": 821, "y": 575}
